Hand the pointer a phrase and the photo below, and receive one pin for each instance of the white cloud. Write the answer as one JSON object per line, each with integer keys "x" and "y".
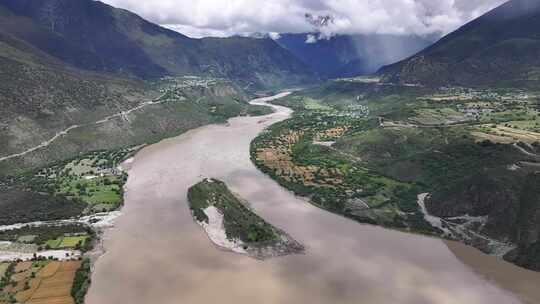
{"x": 274, "y": 35}
{"x": 227, "y": 17}
{"x": 311, "y": 38}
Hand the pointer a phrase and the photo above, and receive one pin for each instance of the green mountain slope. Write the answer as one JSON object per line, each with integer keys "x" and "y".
{"x": 74, "y": 63}
{"x": 41, "y": 95}
{"x": 475, "y": 151}
{"x": 51, "y": 97}
{"x": 500, "y": 47}
{"x": 94, "y": 36}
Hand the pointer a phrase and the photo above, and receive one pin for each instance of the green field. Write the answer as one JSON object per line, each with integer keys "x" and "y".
{"x": 53, "y": 236}
{"x": 53, "y": 244}
{"x": 100, "y": 190}
{"x": 72, "y": 241}
{"x": 438, "y": 116}
{"x": 508, "y": 116}
{"x": 67, "y": 242}
{"x": 3, "y": 268}
{"x": 528, "y": 125}
{"x": 314, "y": 105}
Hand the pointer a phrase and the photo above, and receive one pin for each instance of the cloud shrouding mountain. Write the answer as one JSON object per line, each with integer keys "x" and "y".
{"x": 228, "y": 17}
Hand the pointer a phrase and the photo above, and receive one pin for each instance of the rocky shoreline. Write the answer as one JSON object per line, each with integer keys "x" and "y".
{"x": 285, "y": 246}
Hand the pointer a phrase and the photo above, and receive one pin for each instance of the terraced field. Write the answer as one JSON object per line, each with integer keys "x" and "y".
{"x": 299, "y": 154}
{"x": 507, "y": 133}
{"x": 40, "y": 282}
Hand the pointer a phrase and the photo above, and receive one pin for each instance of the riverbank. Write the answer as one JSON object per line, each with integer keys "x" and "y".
{"x": 520, "y": 281}
{"x": 99, "y": 223}
{"x": 278, "y": 163}
{"x": 157, "y": 237}
{"x": 56, "y": 245}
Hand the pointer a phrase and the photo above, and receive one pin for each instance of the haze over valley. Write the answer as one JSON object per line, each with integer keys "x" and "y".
{"x": 284, "y": 152}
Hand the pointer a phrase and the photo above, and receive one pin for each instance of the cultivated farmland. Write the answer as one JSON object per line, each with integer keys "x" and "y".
{"x": 38, "y": 282}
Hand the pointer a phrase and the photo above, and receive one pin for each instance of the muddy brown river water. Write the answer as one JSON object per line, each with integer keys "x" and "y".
{"x": 157, "y": 254}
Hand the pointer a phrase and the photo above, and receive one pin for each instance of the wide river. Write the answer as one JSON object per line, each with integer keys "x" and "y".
{"x": 157, "y": 254}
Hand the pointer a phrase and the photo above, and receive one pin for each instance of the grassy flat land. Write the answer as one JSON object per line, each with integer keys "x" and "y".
{"x": 53, "y": 244}
{"x": 3, "y": 268}
{"x": 52, "y": 236}
{"x": 312, "y": 104}
{"x": 508, "y": 133}
{"x": 73, "y": 241}
{"x": 438, "y": 116}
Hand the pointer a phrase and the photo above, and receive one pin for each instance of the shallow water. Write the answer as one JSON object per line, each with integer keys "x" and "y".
{"x": 158, "y": 254}
{"x": 523, "y": 282}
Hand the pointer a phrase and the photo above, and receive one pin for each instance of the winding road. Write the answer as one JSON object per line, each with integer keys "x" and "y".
{"x": 123, "y": 114}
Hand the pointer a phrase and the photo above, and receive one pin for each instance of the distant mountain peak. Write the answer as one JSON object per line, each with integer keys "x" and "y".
{"x": 319, "y": 21}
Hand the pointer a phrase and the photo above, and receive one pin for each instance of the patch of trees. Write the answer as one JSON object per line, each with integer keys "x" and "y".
{"x": 81, "y": 283}
{"x": 44, "y": 233}
{"x": 23, "y": 206}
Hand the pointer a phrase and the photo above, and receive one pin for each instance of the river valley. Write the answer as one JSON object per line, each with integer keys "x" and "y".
{"x": 157, "y": 254}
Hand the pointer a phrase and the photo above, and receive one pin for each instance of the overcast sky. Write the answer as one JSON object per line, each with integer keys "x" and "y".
{"x": 197, "y": 18}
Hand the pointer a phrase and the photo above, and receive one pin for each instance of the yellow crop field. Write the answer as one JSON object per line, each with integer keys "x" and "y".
{"x": 51, "y": 285}
{"x": 49, "y": 270}
{"x": 23, "y": 266}
{"x": 59, "y": 300}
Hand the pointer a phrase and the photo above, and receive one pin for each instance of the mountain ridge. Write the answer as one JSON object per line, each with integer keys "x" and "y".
{"x": 94, "y": 36}
{"x": 74, "y": 62}
{"x": 500, "y": 47}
